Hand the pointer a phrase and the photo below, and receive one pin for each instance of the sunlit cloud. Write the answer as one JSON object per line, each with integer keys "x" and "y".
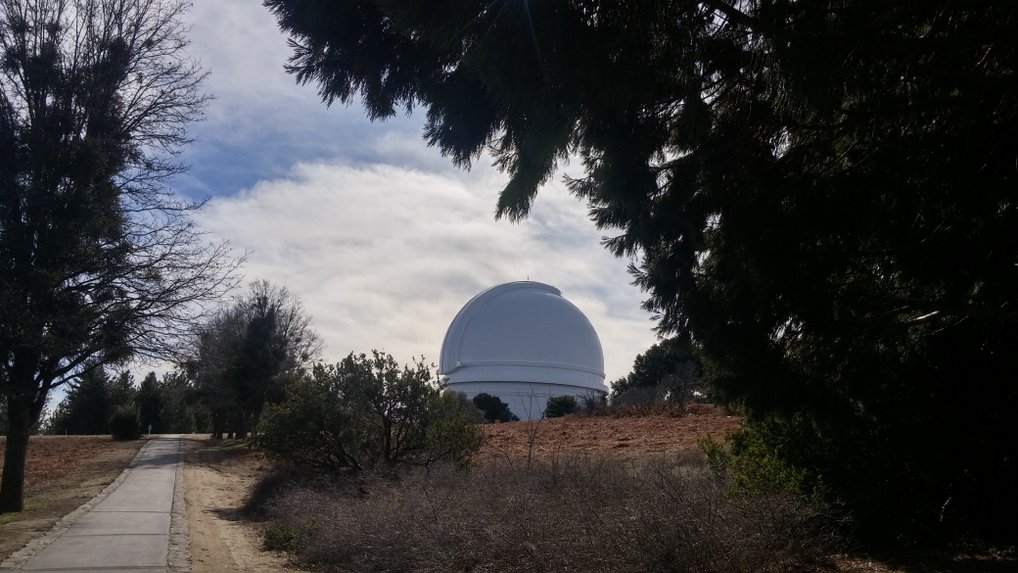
{"x": 381, "y": 237}
{"x": 384, "y": 256}
{"x": 261, "y": 122}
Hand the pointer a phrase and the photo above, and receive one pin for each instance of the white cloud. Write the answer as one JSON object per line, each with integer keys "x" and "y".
{"x": 382, "y": 238}
{"x": 384, "y": 256}
{"x": 261, "y": 122}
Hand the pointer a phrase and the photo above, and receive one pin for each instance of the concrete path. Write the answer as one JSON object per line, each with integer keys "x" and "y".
{"x": 127, "y": 531}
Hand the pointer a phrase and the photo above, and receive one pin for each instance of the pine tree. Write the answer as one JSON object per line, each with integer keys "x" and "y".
{"x": 150, "y": 405}
{"x": 87, "y": 407}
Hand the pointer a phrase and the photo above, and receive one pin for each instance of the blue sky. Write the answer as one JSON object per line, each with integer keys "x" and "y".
{"x": 381, "y": 237}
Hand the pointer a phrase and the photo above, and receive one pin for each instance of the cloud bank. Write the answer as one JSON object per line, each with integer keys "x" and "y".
{"x": 384, "y": 256}
{"x": 382, "y": 238}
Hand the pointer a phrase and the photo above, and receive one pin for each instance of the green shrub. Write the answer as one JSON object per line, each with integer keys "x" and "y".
{"x": 559, "y": 406}
{"x": 124, "y": 424}
{"x": 285, "y": 537}
{"x": 364, "y": 411}
{"x": 753, "y": 464}
{"x": 312, "y": 426}
{"x": 452, "y": 431}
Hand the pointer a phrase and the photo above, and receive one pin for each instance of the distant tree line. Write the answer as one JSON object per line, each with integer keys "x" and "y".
{"x": 493, "y": 408}
{"x": 167, "y": 406}
{"x": 669, "y": 370}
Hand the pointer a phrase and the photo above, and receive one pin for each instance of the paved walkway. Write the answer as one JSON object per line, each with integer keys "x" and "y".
{"x": 127, "y": 531}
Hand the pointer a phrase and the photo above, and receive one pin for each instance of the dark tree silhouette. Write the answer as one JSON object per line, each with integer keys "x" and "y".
{"x": 494, "y": 408}
{"x": 558, "y": 406}
{"x": 245, "y": 355}
{"x": 670, "y": 366}
{"x": 87, "y": 407}
{"x": 100, "y": 261}
{"x": 90, "y": 403}
{"x": 150, "y": 404}
{"x": 822, "y": 194}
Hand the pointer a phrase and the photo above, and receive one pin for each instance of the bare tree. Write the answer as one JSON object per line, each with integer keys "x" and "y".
{"x": 101, "y": 261}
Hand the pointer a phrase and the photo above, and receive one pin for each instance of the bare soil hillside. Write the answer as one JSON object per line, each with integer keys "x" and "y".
{"x": 630, "y": 436}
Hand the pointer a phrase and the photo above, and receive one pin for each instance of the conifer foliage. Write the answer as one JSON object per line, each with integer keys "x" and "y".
{"x": 91, "y": 402}
{"x": 821, "y": 194}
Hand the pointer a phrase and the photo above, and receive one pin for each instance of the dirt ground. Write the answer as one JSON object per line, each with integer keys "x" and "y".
{"x": 66, "y": 471}
{"x": 62, "y": 473}
{"x": 219, "y": 476}
{"x": 630, "y": 436}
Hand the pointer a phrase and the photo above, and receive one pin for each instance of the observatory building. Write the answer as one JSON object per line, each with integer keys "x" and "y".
{"x": 523, "y": 342}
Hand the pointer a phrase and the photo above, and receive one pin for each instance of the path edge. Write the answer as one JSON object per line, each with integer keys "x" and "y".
{"x": 178, "y": 557}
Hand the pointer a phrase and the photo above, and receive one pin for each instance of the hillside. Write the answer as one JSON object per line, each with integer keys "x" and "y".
{"x": 628, "y": 436}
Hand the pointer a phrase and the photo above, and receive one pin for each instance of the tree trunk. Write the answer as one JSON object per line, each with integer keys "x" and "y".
{"x": 241, "y": 425}
{"x": 217, "y": 425}
{"x": 19, "y": 427}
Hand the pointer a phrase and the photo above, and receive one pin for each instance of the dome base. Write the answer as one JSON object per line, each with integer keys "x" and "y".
{"x": 526, "y": 400}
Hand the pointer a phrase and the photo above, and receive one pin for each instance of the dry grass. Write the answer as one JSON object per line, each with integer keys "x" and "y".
{"x": 624, "y": 492}
{"x": 569, "y": 514}
{"x": 634, "y": 434}
{"x": 63, "y": 472}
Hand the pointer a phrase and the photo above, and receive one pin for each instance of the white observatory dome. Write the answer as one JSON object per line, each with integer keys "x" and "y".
{"x": 523, "y": 342}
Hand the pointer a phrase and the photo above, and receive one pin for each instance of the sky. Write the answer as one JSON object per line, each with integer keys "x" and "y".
{"x": 380, "y": 237}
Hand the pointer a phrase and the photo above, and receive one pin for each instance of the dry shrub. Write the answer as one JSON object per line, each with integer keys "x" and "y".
{"x": 565, "y": 515}
{"x": 665, "y": 408}
{"x": 703, "y": 408}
